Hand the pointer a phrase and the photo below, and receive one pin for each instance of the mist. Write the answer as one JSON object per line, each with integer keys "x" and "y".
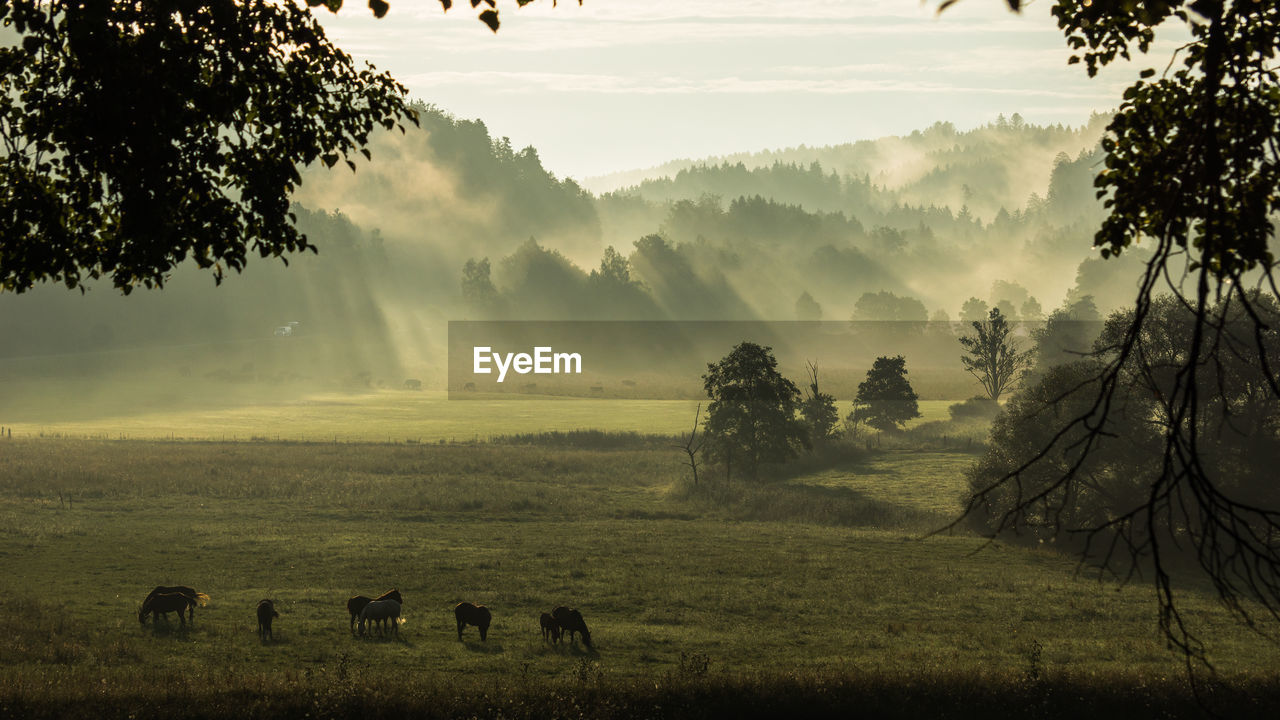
{"x": 446, "y": 222}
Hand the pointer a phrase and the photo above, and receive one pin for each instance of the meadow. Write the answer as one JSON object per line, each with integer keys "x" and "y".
{"x": 821, "y": 589}
{"x": 386, "y": 416}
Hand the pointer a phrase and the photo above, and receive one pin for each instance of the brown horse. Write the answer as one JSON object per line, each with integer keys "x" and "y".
{"x": 196, "y": 598}
{"x": 158, "y": 603}
{"x": 570, "y": 621}
{"x": 467, "y": 614}
{"x": 358, "y": 602}
{"x": 381, "y": 610}
{"x": 266, "y": 613}
{"x": 550, "y": 628}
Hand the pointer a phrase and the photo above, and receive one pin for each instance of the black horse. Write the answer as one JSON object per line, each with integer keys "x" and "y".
{"x": 197, "y": 598}
{"x": 467, "y": 614}
{"x": 266, "y": 613}
{"x": 550, "y": 628}
{"x": 165, "y": 603}
{"x": 358, "y": 602}
{"x": 570, "y": 621}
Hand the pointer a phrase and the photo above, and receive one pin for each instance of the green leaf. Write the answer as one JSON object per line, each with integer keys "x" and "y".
{"x": 379, "y": 8}
{"x": 490, "y": 18}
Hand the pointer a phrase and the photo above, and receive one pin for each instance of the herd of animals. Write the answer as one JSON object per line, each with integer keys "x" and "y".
{"x": 365, "y": 612}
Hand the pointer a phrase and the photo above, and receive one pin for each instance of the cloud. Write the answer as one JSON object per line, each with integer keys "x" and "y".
{"x": 824, "y": 82}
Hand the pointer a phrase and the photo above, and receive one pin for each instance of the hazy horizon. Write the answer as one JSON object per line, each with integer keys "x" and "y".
{"x": 695, "y": 79}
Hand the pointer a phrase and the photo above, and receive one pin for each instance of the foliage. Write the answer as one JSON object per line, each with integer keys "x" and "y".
{"x": 142, "y": 134}
{"x": 992, "y": 356}
{"x": 488, "y": 16}
{"x": 752, "y": 415}
{"x": 477, "y": 285}
{"x": 975, "y": 408}
{"x": 819, "y": 410}
{"x": 807, "y": 308}
{"x": 1067, "y": 334}
{"x": 885, "y": 399}
{"x": 885, "y": 305}
{"x": 1191, "y": 168}
{"x": 1095, "y": 493}
{"x": 974, "y": 310}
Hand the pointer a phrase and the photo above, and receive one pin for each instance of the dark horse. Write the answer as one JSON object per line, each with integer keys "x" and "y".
{"x": 266, "y": 613}
{"x": 197, "y": 598}
{"x": 157, "y": 603}
{"x": 570, "y": 621}
{"x": 467, "y": 614}
{"x": 550, "y": 628}
{"x": 357, "y": 603}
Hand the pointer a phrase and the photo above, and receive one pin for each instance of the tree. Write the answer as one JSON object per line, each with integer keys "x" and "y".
{"x": 478, "y": 290}
{"x": 885, "y": 400}
{"x": 1192, "y": 169}
{"x": 1067, "y": 334}
{"x": 884, "y": 305}
{"x": 141, "y": 135}
{"x": 819, "y": 410}
{"x": 807, "y": 308}
{"x": 693, "y": 445}
{"x": 752, "y": 415}
{"x": 991, "y": 355}
{"x": 1094, "y": 494}
{"x": 974, "y": 310}
{"x": 614, "y": 269}
{"x": 1031, "y": 310}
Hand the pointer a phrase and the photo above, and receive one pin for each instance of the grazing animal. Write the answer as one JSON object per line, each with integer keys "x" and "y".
{"x": 357, "y": 603}
{"x": 550, "y": 628}
{"x": 381, "y": 610}
{"x": 196, "y": 598}
{"x": 266, "y": 612}
{"x": 570, "y": 621}
{"x": 164, "y": 603}
{"x": 467, "y": 614}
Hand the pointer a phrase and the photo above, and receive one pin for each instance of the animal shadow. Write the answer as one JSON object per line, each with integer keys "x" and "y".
{"x": 483, "y": 648}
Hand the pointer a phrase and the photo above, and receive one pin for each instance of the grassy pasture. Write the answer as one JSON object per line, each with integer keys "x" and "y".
{"x": 820, "y": 581}
{"x": 372, "y": 416}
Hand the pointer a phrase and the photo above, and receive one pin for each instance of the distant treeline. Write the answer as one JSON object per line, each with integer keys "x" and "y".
{"x": 448, "y": 222}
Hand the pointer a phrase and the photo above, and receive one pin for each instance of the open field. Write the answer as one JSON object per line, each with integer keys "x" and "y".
{"x": 821, "y": 581}
{"x": 372, "y": 416}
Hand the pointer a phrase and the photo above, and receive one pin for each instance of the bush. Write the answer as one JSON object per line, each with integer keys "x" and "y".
{"x": 975, "y": 408}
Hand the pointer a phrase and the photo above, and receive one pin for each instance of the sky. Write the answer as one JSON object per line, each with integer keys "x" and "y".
{"x": 616, "y": 85}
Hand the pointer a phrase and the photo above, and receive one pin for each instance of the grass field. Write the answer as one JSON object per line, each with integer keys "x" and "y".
{"x": 372, "y": 416}
{"x": 819, "y": 587}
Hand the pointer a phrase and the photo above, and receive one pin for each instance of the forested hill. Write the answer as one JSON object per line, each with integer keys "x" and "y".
{"x": 447, "y": 222}
{"x": 987, "y": 168}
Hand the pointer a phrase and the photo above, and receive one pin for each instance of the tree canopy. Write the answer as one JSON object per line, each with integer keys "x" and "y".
{"x": 886, "y": 400}
{"x": 992, "y": 356}
{"x": 138, "y": 135}
{"x": 1192, "y": 173}
{"x": 752, "y": 415}
{"x": 141, "y": 135}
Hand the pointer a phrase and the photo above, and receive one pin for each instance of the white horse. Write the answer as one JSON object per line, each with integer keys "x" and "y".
{"x": 382, "y": 610}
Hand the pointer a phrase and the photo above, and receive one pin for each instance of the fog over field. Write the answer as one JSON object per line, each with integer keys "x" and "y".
{"x": 448, "y": 222}
{"x": 728, "y": 358}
